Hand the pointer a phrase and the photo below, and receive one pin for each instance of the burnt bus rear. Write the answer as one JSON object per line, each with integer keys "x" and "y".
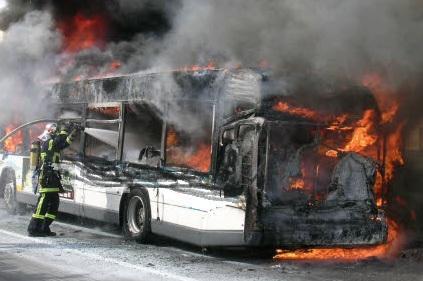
{"x": 297, "y": 194}
{"x": 305, "y": 198}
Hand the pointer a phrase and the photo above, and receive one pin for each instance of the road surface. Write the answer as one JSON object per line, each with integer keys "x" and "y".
{"x": 87, "y": 252}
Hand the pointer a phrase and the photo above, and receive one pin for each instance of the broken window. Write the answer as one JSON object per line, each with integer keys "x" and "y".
{"x": 188, "y": 137}
{"x": 143, "y": 132}
{"x": 294, "y": 171}
{"x": 102, "y": 132}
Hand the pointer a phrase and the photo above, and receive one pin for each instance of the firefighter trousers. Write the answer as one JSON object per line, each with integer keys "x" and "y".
{"x": 45, "y": 212}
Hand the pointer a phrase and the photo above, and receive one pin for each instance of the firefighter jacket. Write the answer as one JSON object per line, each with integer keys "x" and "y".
{"x": 50, "y": 158}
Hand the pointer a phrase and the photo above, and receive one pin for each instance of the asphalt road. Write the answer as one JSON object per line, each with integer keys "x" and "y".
{"x": 85, "y": 251}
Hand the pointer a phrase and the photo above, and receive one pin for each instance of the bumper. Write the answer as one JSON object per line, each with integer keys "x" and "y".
{"x": 352, "y": 226}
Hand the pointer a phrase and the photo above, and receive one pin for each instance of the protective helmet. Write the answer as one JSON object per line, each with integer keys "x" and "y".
{"x": 49, "y": 131}
{"x": 51, "y": 128}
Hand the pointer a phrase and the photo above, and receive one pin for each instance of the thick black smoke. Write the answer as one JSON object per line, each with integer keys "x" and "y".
{"x": 125, "y": 18}
{"x": 133, "y": 30}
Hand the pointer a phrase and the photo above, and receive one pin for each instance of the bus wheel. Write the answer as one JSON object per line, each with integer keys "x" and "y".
{"x": 137, "y": 216}
{"x": 9, "y": 195}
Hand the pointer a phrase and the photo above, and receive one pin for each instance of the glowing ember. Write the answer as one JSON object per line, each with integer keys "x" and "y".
{"x": 388, "y": 250}
{"x": 83, "y": 32}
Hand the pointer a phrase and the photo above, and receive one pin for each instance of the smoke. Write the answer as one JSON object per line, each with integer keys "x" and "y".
{"x": 331, "y": 39}
{"x": 26, "y": 55}
{"x": 334, "y": 37}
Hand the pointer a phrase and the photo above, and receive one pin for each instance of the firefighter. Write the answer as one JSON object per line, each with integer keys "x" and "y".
{"x": 52, "y": 142}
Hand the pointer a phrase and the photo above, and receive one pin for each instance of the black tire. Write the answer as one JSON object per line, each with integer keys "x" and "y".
{"x": 137, "y": 216}
{"x": 9, "y": 194}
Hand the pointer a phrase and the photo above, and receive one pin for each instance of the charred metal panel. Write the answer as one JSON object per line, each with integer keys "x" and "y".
{"x": 347, "y": 216}
{"x": 322, "y": 226}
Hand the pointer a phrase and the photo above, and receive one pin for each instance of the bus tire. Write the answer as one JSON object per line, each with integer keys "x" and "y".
{"x": 9, "y": 194}
{"x": 137, "y": 216}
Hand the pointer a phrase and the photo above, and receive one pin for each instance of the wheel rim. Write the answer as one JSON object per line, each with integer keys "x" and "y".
{"x": 8, "y": 194}
{"x": 135, "y": 214}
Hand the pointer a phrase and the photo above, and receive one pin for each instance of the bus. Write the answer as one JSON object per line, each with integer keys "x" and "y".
{"x": 203, "y": 157}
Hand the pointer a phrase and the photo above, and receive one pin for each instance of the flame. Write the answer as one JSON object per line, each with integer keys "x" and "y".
{"x": 296, "y": 111}
{"x": 83, "y": 32}
{"x": 298, "y": 184}
{"x": 14, "y": 143}
{"x": 200, "y": 159}
{"x": 114, "y": 65}
{"x": 210, "y": 66}
{"x": 364, "y": 136}
{"x": 394, "y": 155}
{"x": 197, "y": 157}
{"x": 388, "y": 250}
{"x": 365, "y": 133}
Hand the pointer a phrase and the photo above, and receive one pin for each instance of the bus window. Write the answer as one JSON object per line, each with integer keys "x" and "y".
{"x": 97, "y": 148}
{"x": 143, "y": 132}
{"x": 189, "y": 145}
{"x": 102, "y": 132}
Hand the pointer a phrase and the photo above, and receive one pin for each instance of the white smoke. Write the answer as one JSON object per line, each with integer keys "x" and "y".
{"x": 27, "y": 59}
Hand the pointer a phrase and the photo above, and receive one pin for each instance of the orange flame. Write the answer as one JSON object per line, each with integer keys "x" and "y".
{"x": 298, "y": 184}
{"x": 296, "y": 111}
{"x": 198, "y": 157}
{"x": 14, "y": 143}
{"x": 365, "y": 136}
{"x": 210, "y": 66}
{"x": 83, "y": 32}
{"x": 388, "y": 250}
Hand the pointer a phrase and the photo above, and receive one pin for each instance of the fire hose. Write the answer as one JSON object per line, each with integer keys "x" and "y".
{"x": 10, "y": 134}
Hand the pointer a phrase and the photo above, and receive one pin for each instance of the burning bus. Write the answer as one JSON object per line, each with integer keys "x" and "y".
{"x": 217, "y": 157}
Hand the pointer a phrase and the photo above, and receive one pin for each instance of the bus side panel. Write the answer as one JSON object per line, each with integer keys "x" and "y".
{"x": 198, "y": 220}
{"x": 153, "y": 194}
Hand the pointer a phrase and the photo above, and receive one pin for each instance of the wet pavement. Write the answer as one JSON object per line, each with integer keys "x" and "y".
{"x": 85, "y": 250}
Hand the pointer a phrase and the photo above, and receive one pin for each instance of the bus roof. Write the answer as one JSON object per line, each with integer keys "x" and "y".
{"x": 207, "y": 85}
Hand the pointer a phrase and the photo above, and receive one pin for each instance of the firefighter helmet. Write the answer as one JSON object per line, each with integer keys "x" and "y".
{"x": 49, "y": 131}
